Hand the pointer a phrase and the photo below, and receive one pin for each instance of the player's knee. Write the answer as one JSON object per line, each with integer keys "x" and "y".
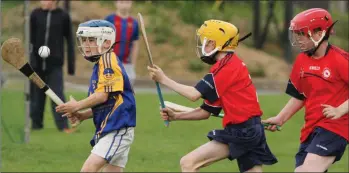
{"x": 304, "y": 168}
{"x": 187, "y": 164}
{"x": 112, "y": 168}
{"x": 89, "y": 168}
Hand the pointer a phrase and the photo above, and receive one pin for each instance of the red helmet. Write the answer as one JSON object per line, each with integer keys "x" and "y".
{"x": 311, "y": 19}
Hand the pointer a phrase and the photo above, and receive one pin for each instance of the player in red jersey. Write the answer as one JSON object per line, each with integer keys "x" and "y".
{"x": 227, "y": 86}
{"x": 319, "y": 82}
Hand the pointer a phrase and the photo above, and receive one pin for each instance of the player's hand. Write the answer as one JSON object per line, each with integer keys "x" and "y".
{"x": 73, "y": 117}
{"x": 331, "y": 112}
{"x": 156, "y": 73}
{"x": 274, "y": 122}
{"x": 168, "y": 114}
{"x": 71, "y": 107}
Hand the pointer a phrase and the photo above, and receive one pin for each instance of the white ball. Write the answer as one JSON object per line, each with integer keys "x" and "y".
{"x": 44, "y": 51}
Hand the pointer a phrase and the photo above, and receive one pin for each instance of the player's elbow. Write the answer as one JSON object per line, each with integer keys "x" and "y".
{"x": 205, "y": 114}
{"x": 194, "y": 97}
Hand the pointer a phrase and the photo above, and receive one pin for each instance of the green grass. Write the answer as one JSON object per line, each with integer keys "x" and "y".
{"x": 6, "y": 5}
{"x": 156, "y": 148}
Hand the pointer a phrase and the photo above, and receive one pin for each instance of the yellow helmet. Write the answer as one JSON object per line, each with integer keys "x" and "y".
{"x": 225, "y": 34}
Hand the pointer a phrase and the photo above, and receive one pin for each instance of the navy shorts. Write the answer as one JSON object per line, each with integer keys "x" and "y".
{"x": 247, "y": 143}
{"x": 323, "y": 143}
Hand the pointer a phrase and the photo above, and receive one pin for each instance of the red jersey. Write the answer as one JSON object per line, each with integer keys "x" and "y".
{"x": 228, "y": 85}
{"x": 321, "y": 81}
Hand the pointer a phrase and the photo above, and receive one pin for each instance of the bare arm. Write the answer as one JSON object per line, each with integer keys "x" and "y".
{"x": 134, "y": 52}
{"x": 293, "y": 106}
{"x": 187, "y": 91}
{"x": 91, "y": 101}
{"x": 86, "y": 114}
{"x": 343, "y": 108}
{"x": 73, "y": 106}
{"x": 196, "y": 114}
{"x": 335, "y": 112}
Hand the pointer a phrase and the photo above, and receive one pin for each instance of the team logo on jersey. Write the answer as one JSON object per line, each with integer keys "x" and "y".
{"x": 94, "y": 84}
{"x": 314, "y": 68}
{"x": 108, "y": 73}
{"x": 326, "y": 73}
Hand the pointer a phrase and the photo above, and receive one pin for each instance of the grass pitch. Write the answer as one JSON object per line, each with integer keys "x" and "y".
{"x": 155, "y": 149}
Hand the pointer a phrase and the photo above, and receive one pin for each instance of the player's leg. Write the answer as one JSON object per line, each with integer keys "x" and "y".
{"x": 323, "y": 150}
{"x": 93, "y": 163}
{"x": 259, "y": 153}
{"x": 37, "y": 105}
{"x": 316, "y": 163}
{"x": 112, "y": 168}
{"x": 114, "y": 148}
{"x": 301, "y": 154}
{"x": 203, "y": 156}
{"x": 55, "y": 81}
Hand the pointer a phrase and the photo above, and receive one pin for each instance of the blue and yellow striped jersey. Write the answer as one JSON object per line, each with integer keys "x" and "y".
{"x": 119, "y": 111}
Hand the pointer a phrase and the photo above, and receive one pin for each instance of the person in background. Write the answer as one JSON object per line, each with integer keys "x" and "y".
{"x": 50, "y": 25}
{"x": 127, "y": 46}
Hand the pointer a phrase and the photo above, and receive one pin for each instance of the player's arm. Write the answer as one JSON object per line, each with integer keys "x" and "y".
{"x": 134, "y": 52}
{"x": 189, "y": 92}
{"x": 200, "y": 113}
{"x": 335, "y": 112}
{"x": 80, "y": 115}
{"x": 343, "y": 108}
{"x": 110, "y": 80}
{"x": 293, "y": 105}
{"x": 196, "y": 114}
{"x": 86, "y": 114}
{"x": 73, "y": 106}
{"x": 290, "y": 109}
{"x": 135, "y": 45}
{"x": 342, "y": 70}
{"x": 91, "y": 101}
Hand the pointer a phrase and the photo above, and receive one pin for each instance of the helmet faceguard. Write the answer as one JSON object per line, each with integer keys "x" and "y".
{"x": 305, "y": 25}
{"x": 95, "y": 38}
{"x": 201, "y": 42}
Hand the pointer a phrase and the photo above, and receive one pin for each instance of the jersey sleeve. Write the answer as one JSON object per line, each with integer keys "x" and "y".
{"x": 109, "y": 18}
{"x": 213, "y": 85}
{"x": 293, "y": 86}
{"x": 343, "y": 69}
{"x": 214, "y": 108}
{"x": 110, "y": 78}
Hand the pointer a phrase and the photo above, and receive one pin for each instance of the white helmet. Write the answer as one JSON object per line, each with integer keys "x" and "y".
{"x": 98, "y": 31}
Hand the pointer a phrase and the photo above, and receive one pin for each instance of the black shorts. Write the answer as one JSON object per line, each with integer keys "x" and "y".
{"x": 323, "y": 143}
{"x": 247, "y": 143}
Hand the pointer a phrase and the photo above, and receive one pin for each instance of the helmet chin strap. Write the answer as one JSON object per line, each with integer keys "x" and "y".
{"x": 324, "y": 36}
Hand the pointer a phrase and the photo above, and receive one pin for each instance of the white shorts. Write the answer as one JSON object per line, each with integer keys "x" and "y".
{"x": 115, "y": 146}
{"x": 130, "y": 70}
